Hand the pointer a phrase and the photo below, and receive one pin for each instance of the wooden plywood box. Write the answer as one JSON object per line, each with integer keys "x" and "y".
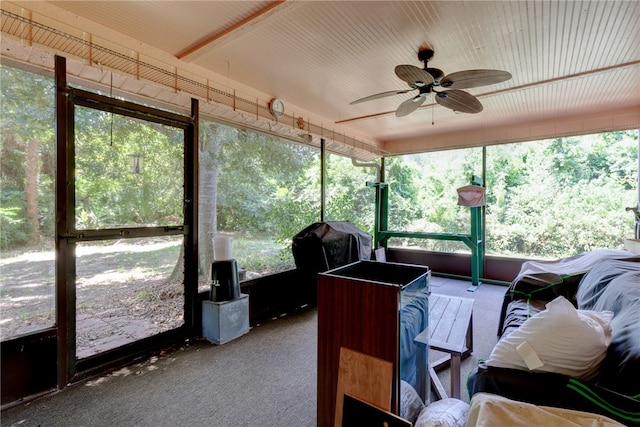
{"x": 358, "y": 308}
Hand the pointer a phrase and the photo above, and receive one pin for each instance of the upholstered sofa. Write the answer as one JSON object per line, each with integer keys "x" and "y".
{"x": 569, "y": 337}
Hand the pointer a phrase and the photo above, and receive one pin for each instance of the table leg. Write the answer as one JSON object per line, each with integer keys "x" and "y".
{"x": 421, "y": 372}
{"x": 441, "y": 393}
{"x": 455, "y": 375}
{"x": 470, "y": 335}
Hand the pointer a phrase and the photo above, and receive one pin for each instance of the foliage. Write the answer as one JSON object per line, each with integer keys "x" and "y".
{"x": 108, "y": 193}
{"x": 544, "y": 199}
{"x": 260, "y": 256}
{"x": 27, "y": 113}
{"x": 347, "y": 196}
{"x": 432, "y": 206}
{"x": 561, "y": 197}
{"x": 269, "y": 171}
{"x": 11, "y": 223}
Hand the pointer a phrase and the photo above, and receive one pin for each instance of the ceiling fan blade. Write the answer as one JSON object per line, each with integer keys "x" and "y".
{"x": 410, "y": 105}
{"x": 416, "y": 77}
{"x": 380, "y": 95}
{"x": 459, "y": 100}
{"x": 473, "y": 78}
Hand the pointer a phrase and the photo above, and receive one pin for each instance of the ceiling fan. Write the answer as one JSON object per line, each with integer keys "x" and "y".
{"x": 426, "y": 80}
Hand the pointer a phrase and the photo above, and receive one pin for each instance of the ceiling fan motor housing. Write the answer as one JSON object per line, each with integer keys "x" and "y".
{"x": 425, "y": 56}
{"x": 436, "y": 73}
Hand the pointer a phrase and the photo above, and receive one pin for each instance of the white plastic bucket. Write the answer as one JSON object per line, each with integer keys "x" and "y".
{"x": 222, "y": 248}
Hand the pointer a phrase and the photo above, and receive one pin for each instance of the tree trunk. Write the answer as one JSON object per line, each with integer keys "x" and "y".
{"x": 210, "y": 141}
{"x": 208, "y": 196}
{"x": 31, "y": 190}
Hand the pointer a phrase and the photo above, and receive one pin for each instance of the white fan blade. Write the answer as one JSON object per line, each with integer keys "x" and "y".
{"x": 410, "y": 105}
{"x": 380, "y": 95}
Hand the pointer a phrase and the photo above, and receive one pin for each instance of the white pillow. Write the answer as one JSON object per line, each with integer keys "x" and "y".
{"x": 410, "y": 402}
{"x": 447, "y": 412}
{"x": 559, "y": 339}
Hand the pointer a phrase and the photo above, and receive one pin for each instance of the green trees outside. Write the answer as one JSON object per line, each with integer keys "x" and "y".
{"x": 347, "y": 196}
{"x": 28, "y": 166}
{"x": 256, "y": 188}
{"x": 562, "y": 197}
{"x": 544, "y": 199}
{"x": 128, "y": 172}
{"x": 423, "y": 195}
{"x": 266, "y": 185}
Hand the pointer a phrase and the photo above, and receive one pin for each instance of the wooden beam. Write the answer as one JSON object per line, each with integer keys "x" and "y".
{"x": 229, "y": 30}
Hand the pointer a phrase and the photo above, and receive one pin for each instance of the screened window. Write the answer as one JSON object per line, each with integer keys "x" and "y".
{"x": 348, "y": 198}
{"x": 545, "y": 199}
{"x": 423, "y": 196}
{"x": 27, "y": 202}
{"x": 260, "y": 191}
{"x": 561, "y": 197}
{"x": 128, "y": 172}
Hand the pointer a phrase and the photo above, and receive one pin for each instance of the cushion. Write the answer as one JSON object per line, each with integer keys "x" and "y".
{"x": 571, "y": 265}
{"x": 622, "y": 297}
{"x": 616, "y": 370}
{"x": 410, "y": 402}
{"x": 493, "y": 410}
{"x": 599, "y": 277}
{"x": 518, "y": 312}
{"x": 448, "y": 412}
{"x": 550, "y": 389}
{"x": 560, "y": 339}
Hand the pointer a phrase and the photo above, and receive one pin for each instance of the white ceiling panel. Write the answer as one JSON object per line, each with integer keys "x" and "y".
{"x": 566, "y": 57}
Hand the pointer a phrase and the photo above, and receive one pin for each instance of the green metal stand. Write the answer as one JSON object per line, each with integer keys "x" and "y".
{"x": 474, "y": 240}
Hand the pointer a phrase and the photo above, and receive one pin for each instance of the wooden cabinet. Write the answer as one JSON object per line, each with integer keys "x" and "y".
{"x": 360, "y": 307}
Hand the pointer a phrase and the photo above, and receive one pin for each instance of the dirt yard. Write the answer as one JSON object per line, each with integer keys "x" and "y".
{"x": 121, "y": 293}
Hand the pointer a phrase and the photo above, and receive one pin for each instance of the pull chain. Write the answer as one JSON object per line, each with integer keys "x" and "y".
{"x": 432, "y": 113}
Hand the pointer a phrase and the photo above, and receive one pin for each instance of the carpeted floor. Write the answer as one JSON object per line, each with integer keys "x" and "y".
{"x": 264, "y": 378}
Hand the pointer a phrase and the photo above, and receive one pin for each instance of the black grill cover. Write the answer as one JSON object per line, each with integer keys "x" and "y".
{"x": 324, "y": 246}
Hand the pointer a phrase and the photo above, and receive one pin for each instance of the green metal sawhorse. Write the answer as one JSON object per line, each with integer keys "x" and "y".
{"x": 473, "y": 240}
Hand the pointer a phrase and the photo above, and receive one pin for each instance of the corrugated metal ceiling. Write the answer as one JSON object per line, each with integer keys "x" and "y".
{"x": 567, "y": 58}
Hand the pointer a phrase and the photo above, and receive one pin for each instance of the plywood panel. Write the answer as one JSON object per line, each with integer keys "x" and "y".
{"x": 365, "y": 377}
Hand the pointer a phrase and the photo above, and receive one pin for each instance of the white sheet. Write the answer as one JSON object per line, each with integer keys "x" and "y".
{"x": 491, "y": 410}
{"x": 572, "y": 265}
